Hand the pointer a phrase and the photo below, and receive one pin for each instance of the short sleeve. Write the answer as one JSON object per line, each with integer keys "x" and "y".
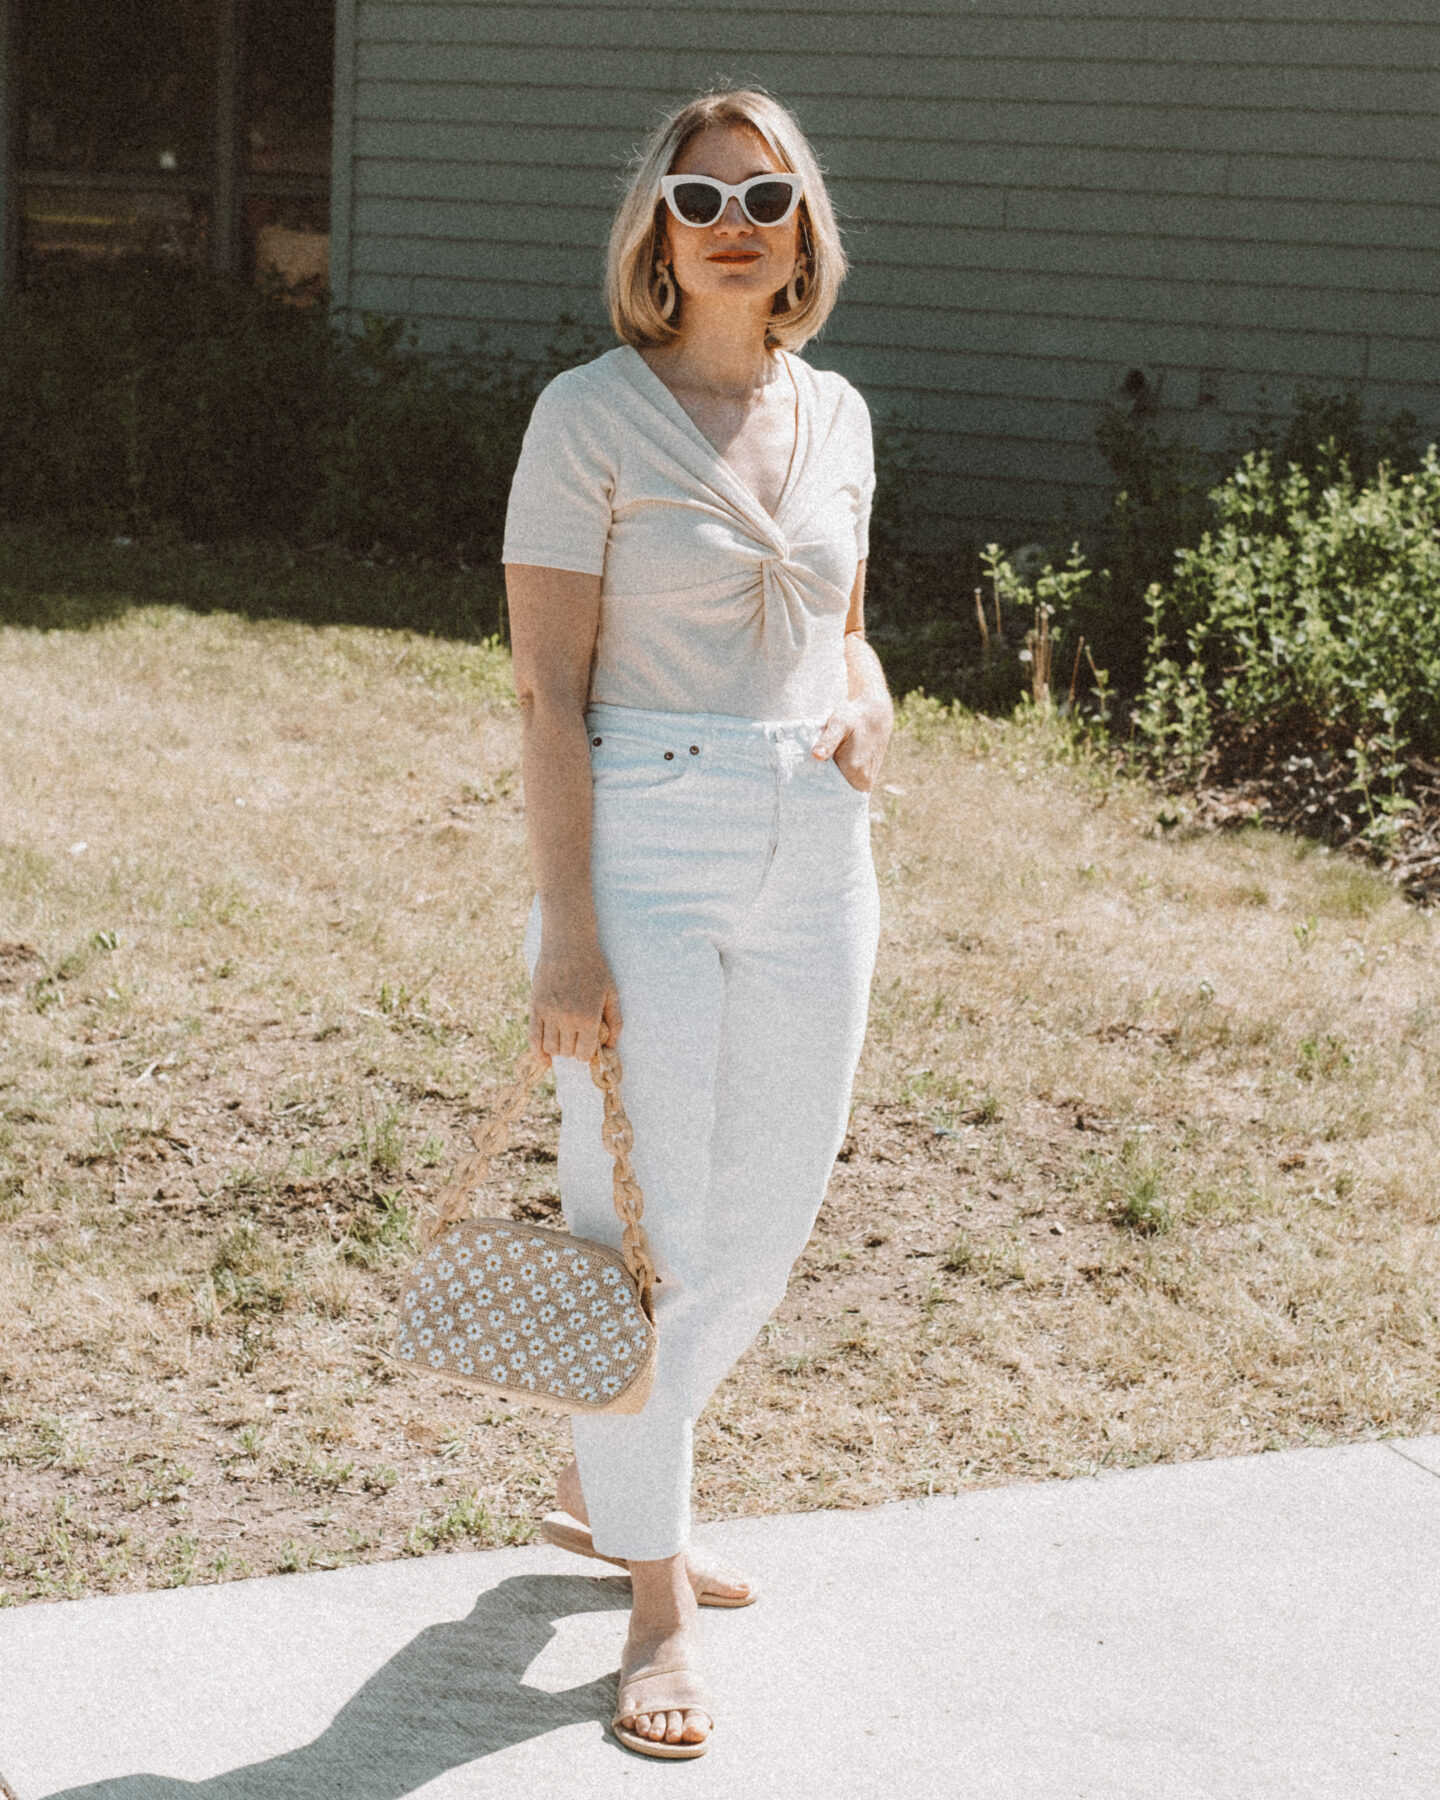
{"x": 865, "y": 463}
{"x": 560, "y": 497}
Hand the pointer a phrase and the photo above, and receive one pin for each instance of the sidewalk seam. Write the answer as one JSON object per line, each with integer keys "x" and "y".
{"x": 1413, "y": 1461}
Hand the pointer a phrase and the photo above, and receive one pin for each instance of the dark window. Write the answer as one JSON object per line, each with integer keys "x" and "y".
{"x": 183, "y": 131}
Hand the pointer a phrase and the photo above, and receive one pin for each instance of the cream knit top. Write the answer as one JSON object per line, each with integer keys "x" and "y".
{"x": 707, "y": 603}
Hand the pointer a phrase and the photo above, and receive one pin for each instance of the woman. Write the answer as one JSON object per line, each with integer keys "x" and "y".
{"x": 702, "y": 722}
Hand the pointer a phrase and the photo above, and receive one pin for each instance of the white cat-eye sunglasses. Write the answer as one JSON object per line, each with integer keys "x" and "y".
{"x": 700, "y": 199}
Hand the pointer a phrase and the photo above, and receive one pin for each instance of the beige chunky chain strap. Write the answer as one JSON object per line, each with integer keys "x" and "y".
{"x": 454, "y": 1202}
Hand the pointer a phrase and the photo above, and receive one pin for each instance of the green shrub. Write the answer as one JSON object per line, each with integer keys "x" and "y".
{"x": 147, "y": 401}
{"x": 1309, "y": 612}
{"x": 1164, "y": 500}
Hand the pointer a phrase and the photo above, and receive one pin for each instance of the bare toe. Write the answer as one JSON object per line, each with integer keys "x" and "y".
{"x": 697, "y": 1728}
{"x": 674, "y": 1727}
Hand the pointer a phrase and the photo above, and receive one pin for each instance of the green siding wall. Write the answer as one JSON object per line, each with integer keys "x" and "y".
{"x": 1039, "y": 196}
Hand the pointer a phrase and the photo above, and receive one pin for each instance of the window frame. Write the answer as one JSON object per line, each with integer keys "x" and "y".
{"x": 226, "y": 189}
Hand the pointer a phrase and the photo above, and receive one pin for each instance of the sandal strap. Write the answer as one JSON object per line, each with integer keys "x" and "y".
{"x": 662, "y": 1690}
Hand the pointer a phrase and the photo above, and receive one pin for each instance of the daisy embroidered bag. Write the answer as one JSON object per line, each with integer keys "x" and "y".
{"x": 524, "y": 1312}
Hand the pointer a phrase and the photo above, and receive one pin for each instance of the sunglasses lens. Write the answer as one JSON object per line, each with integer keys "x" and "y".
{"x": 767, "y": 201}
{"x": 697, "y": 202}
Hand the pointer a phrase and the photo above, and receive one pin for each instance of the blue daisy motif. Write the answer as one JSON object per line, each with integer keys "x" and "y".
{"x": 519, "y": 1305}
{"x": 411, "y": 1299}
{"x": 518, "y": 1359}
{"x": 557, "y": 1334}
{"x": 549, "y": 1257}
{"x": 483, "y": 1296}
{"x": 515, "y": 1251}
{"x": 407, "y": 1351}
{"x": 589, "y": 1341}
{"x": 609, "y": 1329}
{"x": 565, "y": 1354}
{"x": 437, "y": 1359}
{"x": 539, "y": 1292}
{"x": 611, "y": 1386}
{"x": 467, "y": 1311}
{"x": 527, "y": 1380}
{"x": 475, "y": 1331}
{"x": 426, "y": 1284}
{"x": 426, "y": 1337}
{"x": 486, "y": 1353}
{"x": 589, "y": 1287}
{"x": 505, "y": 1285}
{"x": 494, "y": 1260}
{"x": 599, "y": 1306}
{"x": 483, "y": 1240}
{"x": 445, "y": 1270}
{"x": 437, "y": 1303}
{"x": 610, "y": 1276}
{"x": 599, "y": 1362}
{"x": 557, "y": 1387}
{"x": 445, "y": 1324}
{"x": 508, "y": 1340}
{"x": 463, "y": 1254}
{"x": 417, "y": 1319}
{"x": 528, "y": 1272}
{"x": 530, "y": 1328}
{"x": 466, "y": 1365}
{"x": 579, "y": 1375}
{"x": 454, "y": 1237}
{"x": 559, "y": 1279}
{"x": 547, "y": 1313}
{"x": 588, "y": 1394}
{"x": 547, "y": 1365}
{"x": 569, "y": 1301}
{"x": 496, "y": 1319}
{"x": 456, "y": 1289}
{"x": 457, "y": 1346}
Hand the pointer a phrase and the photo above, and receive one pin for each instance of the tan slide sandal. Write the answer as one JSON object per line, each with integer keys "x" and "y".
{"x": 655, "y": 1691}
{"x": 565, "y": 1533}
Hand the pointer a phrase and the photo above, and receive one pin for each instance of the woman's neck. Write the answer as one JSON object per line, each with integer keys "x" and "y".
{"x": 721, "y": 350}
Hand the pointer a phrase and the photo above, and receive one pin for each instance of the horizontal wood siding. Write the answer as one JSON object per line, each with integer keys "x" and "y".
{"x": 1039, "y": 196}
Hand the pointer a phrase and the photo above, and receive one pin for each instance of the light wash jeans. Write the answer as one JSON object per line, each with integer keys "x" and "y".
{"x": 737, "y": 907}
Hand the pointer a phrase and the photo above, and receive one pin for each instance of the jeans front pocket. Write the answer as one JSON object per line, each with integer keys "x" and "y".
{"x": 623, "y": 764}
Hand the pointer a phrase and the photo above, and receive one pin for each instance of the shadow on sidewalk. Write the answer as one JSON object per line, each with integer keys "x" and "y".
{"x": 453, "y": 1694}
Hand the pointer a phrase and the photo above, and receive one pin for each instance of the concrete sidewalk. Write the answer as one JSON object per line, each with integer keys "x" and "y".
{"x": 1256, "y": 1629}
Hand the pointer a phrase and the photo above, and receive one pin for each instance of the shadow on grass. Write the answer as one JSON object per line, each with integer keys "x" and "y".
{"x": 455, "y": 1693}
{"x": 51, "y": 581}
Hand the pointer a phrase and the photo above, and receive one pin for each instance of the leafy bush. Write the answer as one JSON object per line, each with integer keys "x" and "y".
{"x": 146, "y": 400}
{"x": 1309, "y": 611}
{"x": 1164, "y": 500}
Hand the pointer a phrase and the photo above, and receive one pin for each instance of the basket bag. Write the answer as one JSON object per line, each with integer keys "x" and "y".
{"x": 526, "y": 1313}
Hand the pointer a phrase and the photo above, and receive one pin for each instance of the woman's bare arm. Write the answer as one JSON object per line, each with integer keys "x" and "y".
{"x": 857, "y": 732}
{"x": 554, "y": 616}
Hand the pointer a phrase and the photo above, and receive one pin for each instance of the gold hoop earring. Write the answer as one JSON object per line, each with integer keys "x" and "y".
{"x": 799, "y": 284}
{"x": 662, "y": 289}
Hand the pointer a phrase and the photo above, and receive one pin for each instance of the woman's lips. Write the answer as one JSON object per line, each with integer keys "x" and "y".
{"x": 735, "y": 256}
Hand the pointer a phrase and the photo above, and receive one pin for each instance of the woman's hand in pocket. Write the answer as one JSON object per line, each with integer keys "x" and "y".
{"x": 572, "y": 995}
{"x": 856, "y": 736}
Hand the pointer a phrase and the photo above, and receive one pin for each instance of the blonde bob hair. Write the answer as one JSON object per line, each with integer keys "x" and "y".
{"x": 638, "y": 231}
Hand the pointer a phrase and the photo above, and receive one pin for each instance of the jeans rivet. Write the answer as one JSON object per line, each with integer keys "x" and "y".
{"x": 669, "y": 756}
{"x": 596, "y": 742}
{"x": 694, "y": 749}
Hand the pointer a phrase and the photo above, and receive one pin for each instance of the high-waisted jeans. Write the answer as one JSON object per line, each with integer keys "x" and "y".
{"x": 737, "y": 908}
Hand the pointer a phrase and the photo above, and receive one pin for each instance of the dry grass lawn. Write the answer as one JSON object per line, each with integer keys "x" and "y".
{"x": 1142, "y": 1164}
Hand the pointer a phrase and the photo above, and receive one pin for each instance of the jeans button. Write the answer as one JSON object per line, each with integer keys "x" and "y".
{"x": 669, "y": 756}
